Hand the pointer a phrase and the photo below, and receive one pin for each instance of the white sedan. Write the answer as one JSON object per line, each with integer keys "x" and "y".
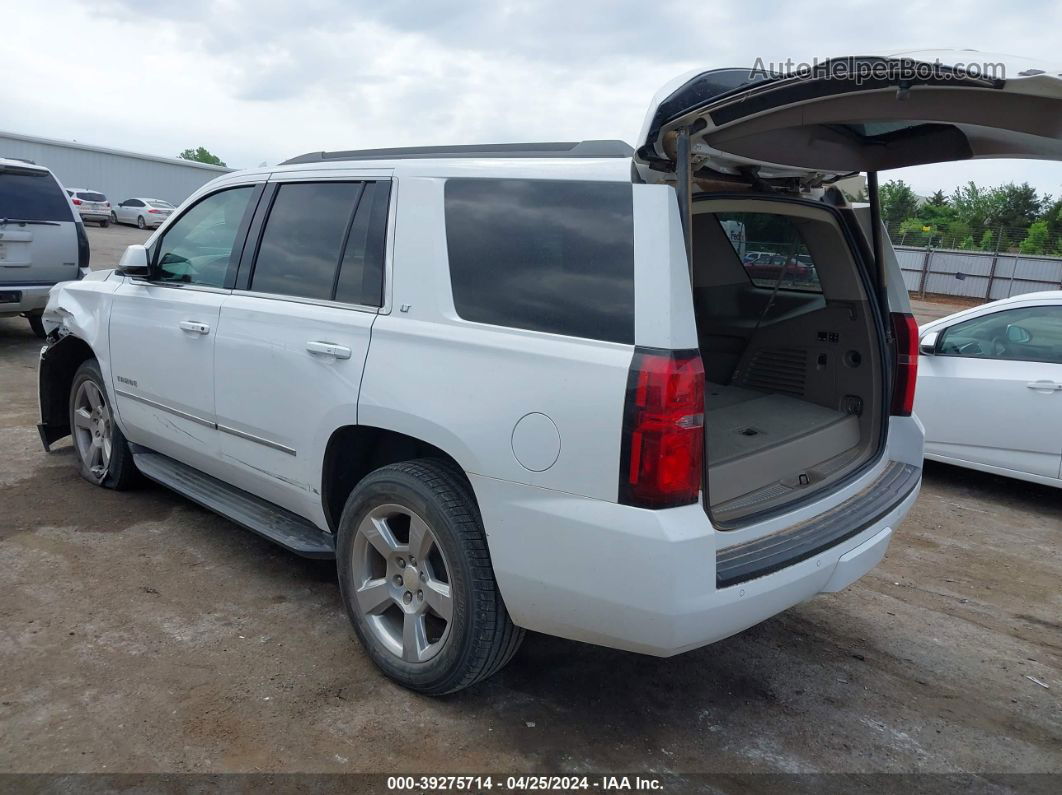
{"x": 990, "y": 388}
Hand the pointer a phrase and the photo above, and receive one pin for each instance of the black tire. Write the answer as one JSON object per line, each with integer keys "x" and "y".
{"x": 120, "y": 472}
{"x": 480, "y": 638}
{"x": 140, "y": 222}
{"x": 37, "y": 324}
{"x": 104, "y": 224}
{"x": 114, "y": 218}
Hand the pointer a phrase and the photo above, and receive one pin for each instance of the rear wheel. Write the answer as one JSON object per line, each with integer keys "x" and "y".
{"x": 103, "y": 454}
{"x": 417, "y": 580}
{"x": 105, "y": 223}
{"x": 37, "y": 324}
{"x": 140, "y": 222}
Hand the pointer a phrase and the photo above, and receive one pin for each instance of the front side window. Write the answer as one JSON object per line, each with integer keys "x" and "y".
{"x": 1029, "y": 334}
{"x": 772, "y": 250}
{"x": 198, "y": 248}
{"x": 544, "y": 255}
{"x": 32, "y": 195}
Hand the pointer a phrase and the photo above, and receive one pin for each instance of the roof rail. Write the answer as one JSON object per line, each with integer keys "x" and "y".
{"x": 557, "y": 149}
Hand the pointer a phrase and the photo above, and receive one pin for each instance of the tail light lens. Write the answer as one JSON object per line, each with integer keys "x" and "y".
{"x": 905, "y": 332}
{"x": 106, "y": 204}
{"x": 154, "y": 211}
{"x": 83, "y": 253}
{"x": 76, "y": 201}
{"x": 662, "y": 451}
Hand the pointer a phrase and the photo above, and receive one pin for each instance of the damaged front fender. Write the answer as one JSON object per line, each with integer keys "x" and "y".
{"x": 76, "y": 324}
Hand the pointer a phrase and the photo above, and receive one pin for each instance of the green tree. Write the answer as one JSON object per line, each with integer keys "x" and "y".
{"x": 898, "y": 203}
{"x": 988, "y": 241}
{"x": 1015, "y": 206}
{"x": 201, "y": 155}
{"x": 974, "y": 206}
{"x": 1037, "y": 240}
{"x": 1052, "y": 215}
{"x": 915, "y": 232}
{"x": 938, "y": 199}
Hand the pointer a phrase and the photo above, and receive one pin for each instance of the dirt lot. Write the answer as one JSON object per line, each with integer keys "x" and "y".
{"x": 141, "y": 633}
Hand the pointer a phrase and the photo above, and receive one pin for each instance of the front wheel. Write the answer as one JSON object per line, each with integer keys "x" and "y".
{"x": 417, "y": 581}
{"x": 103, "y": 454}
{"x": 114, "y": 218}
{"x": 140, "y": 222}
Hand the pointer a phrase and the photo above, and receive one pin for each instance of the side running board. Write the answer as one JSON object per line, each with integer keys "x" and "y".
{"x": 268, "y": 520}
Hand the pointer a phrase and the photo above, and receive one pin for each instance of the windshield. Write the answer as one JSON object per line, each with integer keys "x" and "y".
{"x": 32, "y": 195}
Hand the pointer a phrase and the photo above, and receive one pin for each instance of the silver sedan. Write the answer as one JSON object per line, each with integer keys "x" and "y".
{"x": 144, "y": 213}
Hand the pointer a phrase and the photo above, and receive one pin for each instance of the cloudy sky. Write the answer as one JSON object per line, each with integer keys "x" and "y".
{"x": 264, "y": 80}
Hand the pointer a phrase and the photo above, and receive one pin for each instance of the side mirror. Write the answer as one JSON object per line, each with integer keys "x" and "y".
{"x": 134, "y": 262}
{"x": 928, "y": 343}
{"x": 1019, "y": 334}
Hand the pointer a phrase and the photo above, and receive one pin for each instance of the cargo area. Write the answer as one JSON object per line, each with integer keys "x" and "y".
{"x": 791, "y": 355}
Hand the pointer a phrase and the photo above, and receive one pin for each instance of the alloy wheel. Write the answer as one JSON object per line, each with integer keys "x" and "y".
{"x": 402, "y": 583}
{"x": 93, "y": 429}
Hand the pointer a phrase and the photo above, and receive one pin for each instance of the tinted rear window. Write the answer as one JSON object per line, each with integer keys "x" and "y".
{"x": 772, "y": 249}
{"x": 545, "y": 255}
{"x": 91, "y": 196}
{"x": 160, "y": 204}
{"x": 32, "y": 195}
{"x": 303, "y": 238}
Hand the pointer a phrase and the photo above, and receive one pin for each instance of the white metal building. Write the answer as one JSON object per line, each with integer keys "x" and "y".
{"x": 119, "y": 175}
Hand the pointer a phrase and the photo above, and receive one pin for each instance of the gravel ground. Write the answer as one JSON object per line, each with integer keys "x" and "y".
{"x": 143, "y": 634}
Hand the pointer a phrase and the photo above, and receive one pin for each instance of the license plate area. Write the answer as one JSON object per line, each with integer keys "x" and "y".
{"x": 10, "y": 296}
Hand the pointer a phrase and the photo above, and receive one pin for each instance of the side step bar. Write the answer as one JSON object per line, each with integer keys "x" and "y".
{"x": 268, "y": 520}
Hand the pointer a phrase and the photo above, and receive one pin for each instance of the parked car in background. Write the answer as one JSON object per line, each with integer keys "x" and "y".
{"x": 91, "y": 205}
{"x": 795, "y": 270}
{"x": 990, "y": 387}
{"x": 42, "y": 239}
{"x": 141, "y": 212}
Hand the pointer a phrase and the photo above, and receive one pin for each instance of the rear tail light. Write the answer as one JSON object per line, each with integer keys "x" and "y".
{"x": 76, "y": 201}
{"x": 154, "y": 211}
{"x": 82, "y": 247}
{"x": 662, "y": 450}
{"x": 905, "y": 372}
{"x": 106, "y": 204}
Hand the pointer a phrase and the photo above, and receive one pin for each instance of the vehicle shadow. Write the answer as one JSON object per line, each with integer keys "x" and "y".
{"x": 1000, "y": 490}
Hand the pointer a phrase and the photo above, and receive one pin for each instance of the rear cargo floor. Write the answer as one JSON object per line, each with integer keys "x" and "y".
{"x": 759, "y": 439}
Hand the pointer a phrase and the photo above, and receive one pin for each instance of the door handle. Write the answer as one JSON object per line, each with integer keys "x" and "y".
{"x": 1045, "y": 386}
{"x": 328, "y": 349}
{"x": 194, "y": 327}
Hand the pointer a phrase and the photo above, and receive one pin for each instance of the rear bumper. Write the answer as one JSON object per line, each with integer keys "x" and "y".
{"x": 646, "y": 581}
{"x": 96, "y": 216}
{"x": 31, "y": 298}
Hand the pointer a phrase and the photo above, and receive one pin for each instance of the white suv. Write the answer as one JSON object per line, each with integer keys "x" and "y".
{"x": 492, "y": 384}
